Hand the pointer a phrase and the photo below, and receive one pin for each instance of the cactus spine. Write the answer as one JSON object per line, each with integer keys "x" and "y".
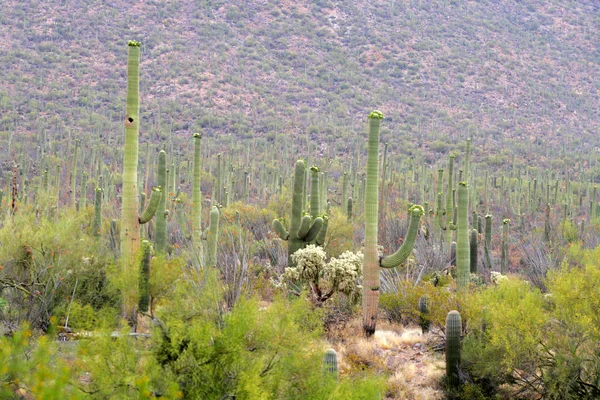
{"x": 453, "y": 330}
{"x": 372, "y": 261}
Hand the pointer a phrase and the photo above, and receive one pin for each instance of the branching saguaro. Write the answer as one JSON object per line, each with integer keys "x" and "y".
{"x": 372, "y": 261}
{"x": 308, "y": 228}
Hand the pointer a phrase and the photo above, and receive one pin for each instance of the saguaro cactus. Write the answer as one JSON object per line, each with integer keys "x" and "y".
{"x": 160, "y": 239}
{"x": 330, "y": 363}
{"x": 349, "y": 209}
{"x": 372, "y": 261}
{"x": 473, "y": 239}
{"x": 97, "y": 213}
{"x": 303, "y": 229}
{"x": 196, "y": 193}
{"x": 144, "y": 281}
{"x": 130, "y": 221}
{"x": 463, "y": 262}
{"x": 504, "y": 259}
{"x": 487, "y": 244}
{"x": 450, "y": 198}
{"x": 424, "y": 314}
{"x": 212, "y": 237}
{"x": 453, "y": 329}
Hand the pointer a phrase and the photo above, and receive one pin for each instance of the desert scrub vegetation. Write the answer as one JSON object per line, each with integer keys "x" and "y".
{"x": 535, "y": 343}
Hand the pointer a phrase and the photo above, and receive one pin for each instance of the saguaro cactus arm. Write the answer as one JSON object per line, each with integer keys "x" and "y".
{"x": 280, "y": 230}
{"x": 314, "y": 230}
{"x": 322, "y": 232}
{"x": 393, "y": 260}
{"x": 152, "y": 205}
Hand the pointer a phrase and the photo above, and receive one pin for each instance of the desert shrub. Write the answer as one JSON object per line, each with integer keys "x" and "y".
{"x": 537, "y": 344}
{"x": 42, "y": 258}
{"x": 403, "y": 306}
{"x": 539, "y": 257}
{"x": 339, "y": 238}
{"x": 269, "y": 351}
{"x": 32, "y": 369}
{"x": 122, "y": 367}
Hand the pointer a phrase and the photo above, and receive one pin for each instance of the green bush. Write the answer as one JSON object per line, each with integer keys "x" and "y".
{"x": 536, "y": 344}
{"x": 253, "y": 352}
{"x": 33, "y": 371}
{"x": 403, "y": 306}
{"x": 41, "y": 259}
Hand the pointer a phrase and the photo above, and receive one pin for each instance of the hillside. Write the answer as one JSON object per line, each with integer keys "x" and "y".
{"x": 519, "y": 77}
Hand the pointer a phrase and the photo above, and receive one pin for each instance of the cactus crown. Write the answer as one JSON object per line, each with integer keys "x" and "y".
{"x": 462, "y": 183}
{"x": 157, "y": 189}
{"x": 376, "y": 115}
{"x": 314, "y": 168}
{"x": 416, "y": 209}
{"x": 506, "y": 221}
{"x": 197, "y": 135}
{"x": 133, "y": 43}
{"x": 489, "y": 216}
{"x": 452, "y": 156}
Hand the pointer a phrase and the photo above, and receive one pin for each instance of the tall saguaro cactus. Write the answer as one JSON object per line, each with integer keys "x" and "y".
{"x": 130, "y": 221}
{"x": 450, "y": 198}
{"x": 463, "y": 252}
{"x": 372, "y": 261}
{"x": 160, "y": 239}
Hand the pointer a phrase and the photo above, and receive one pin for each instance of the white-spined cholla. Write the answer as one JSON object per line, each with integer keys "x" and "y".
{"x": 323, "y": 279}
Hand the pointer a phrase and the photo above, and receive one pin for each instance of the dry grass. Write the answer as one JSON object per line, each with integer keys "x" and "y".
{"x": 413, "y": 371}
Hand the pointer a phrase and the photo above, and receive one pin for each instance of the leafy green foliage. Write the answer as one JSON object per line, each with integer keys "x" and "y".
{"x": 254, "y": 352}
{"x": 33, "y": 370}
{"x": 403, "y": 306}
{"x": 544, "y": 344}
{"x": 41, "y": 258}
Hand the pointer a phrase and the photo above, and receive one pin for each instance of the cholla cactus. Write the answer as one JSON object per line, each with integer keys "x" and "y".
{"x": 496, "y": 277}
{"x": 309, "y": 263}
{"x": 342, "y": 274}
